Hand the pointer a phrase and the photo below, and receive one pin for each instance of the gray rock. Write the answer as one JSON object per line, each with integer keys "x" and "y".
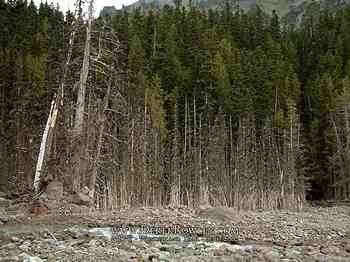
{"x": 292, "y": 253}
{"x": 27, "y": 258}
{"x": 140, "y": 244}
{"x": 8, "y": 246}
{"x": 54, "y": 190}
{"x": 92, "y": 243}
{"x": 158, "y": 244}
{"x": 331, "y": 250}
{"x": 105, "y": 233}
{"x": 76, "y": 231}
{"x": 11, "y": 258}
{"x": 163, "y": 256}
{"x": 272, "y": 255}
{"x": 152, "y": 250}
{"x": 82, "y": 199}
{"x": 222, "y": 214}
{"x": 15, "y": 239}
{"x": 25, "y": 246}
{"x": 151, "y": 257}
{"x": 4, "y": 202}
{"x": 347, "y": 247}
{"x": 219, "y": 252}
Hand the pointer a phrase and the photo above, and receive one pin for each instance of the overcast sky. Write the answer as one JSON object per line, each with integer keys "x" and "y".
{"x": 99, "y": 4}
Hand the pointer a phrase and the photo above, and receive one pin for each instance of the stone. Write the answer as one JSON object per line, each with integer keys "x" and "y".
{"x": 239, "y": 248}
{"x": 15, "y": 239}
{"x": 8, "y": 246}
{"x": 219, "y": 252}
{"x": 76, "y": 231}
{"x": 85, "y": 190}
{"x": 82, "y": 199}
{"x": 53, "y": 204}
{"x": 92, "y": 243}
{"x": 347, "y": 248}
{"x": 158, "y": 244}
{"x": 76, "y": 242}
{"x": 222, "y": 214}
{"x": 163, "y": 256}
{"x": 27, "y": 258}
{"x": 140, "y": 244}
{"x": 105, "y": 233}
{"x": 25, "y": 246}
{"x": 4, "y": 202}
{"x": 151, "y": 257}
{"x": 54, "y": 190}
{"x": 39, "y": 208}
{"x": 292, "y": 253}
{"x": 272, "y": 255}
{"x": 51, "y": 258}
{"x": 331, "y": 250}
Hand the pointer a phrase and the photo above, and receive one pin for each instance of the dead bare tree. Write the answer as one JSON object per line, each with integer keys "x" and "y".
{"x": 80, "y": 106}
{"x": 46, "y": 141}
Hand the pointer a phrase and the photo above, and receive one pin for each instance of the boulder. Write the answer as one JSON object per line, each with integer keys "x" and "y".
{"x": 82, "y": 199}
{"x": 54, "y": 190}
{"x": 76, "y": 232}
{"x": 105, "y": 233}
{"x": 4, "y": 202}
{"x": 219, "y": 252}
{"x": 28, "y": 258}
{"x": 222, "y": 214}
{"x": 85, "y": 190}
{"x": 39, "y": 208}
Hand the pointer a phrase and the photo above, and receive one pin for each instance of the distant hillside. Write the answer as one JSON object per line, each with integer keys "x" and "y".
{"x": 291, "y": 10}
{"x": 108, "y": 11}
{"x": 204, "y": 4}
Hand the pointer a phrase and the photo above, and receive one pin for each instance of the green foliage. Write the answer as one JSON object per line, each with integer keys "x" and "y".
{"x": 154, "y": 99}
{"x": 220, "y": 62}
{"x": 136, "y": 55}
{"x": 35, "y": 72}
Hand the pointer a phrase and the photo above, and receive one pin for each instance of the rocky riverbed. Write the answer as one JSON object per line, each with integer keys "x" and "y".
{"x": 179, "y": 234}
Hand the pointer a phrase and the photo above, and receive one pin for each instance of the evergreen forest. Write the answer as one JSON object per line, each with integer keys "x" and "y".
{"x": 175, "y": 107}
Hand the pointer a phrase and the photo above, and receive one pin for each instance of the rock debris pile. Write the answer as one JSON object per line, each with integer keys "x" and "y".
{"x": 314, "y": 234}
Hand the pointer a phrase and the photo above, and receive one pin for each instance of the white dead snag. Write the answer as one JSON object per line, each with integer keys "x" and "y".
{"x": 79, "y": 113}
{"x": 46, "y": 140}
{"x": 50, "y": 124}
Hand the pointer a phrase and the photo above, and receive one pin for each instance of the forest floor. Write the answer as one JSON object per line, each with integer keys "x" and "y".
{"x": 215, "y": 234}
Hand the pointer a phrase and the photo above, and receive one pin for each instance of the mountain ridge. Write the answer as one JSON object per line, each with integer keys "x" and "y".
{"x": 282, "y": 7}
{"x": 291, "y": 10}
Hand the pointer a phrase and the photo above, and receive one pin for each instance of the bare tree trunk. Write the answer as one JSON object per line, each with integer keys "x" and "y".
{"x": 101, "y": 121}
{"x": 58, "y": 100}
{"x": 175, "y": 188}
{"x": 347, "y": 137}
{"x": 79, "y": 113}
{"x": 45, "y": 142}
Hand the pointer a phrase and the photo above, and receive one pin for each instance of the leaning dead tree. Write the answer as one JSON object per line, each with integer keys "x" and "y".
{"x": 46, "y": 140}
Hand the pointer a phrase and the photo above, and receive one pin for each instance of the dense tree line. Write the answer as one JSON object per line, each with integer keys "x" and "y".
{"x": 218, "y": 106}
